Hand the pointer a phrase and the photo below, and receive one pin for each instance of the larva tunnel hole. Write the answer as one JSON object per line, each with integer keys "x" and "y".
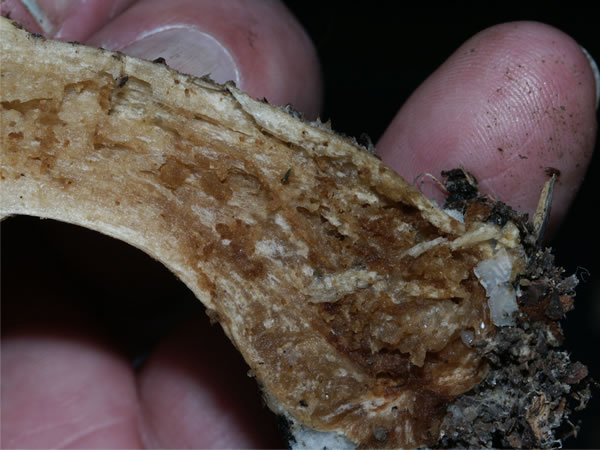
{"x": 58, "y": 278}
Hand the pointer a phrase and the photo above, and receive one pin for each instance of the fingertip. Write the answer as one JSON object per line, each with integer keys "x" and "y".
{"x": 513, "y": 101}
{"x": 260, "y": 45}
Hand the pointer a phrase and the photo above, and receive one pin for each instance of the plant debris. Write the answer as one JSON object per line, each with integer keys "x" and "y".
{"x": 532, "y": 386}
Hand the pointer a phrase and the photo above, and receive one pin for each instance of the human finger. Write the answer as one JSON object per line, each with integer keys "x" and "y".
{"x": 195, "y": 393}
{"x": 65, "y": 20}
{"x": 512, "y": 102}
{"x": 257, "y": 44}
{"x": 64, "y": 384}
{"x": 61, "y": 390}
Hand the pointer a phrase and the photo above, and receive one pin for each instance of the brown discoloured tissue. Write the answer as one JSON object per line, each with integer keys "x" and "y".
{"x": 348, "y": 293}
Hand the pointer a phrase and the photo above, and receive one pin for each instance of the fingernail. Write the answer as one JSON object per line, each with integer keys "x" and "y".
{"x": 596, "y": 73}
{"x": 49, "y": 14}
{"x": 187, "y": 50}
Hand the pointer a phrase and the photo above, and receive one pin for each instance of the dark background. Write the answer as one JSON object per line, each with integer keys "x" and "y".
{"x": 366, "y": 45}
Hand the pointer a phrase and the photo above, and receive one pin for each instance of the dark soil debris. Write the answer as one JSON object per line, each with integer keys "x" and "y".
{"x": 532, "y": 386}
{"x": 551, "y": 171}
{"x": 463, "y": 196}
{"x": 527, "y": 397}
{"x": 462, "y": 188}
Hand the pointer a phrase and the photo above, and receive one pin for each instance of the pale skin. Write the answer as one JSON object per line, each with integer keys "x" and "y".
{"x": 66, "y": 383}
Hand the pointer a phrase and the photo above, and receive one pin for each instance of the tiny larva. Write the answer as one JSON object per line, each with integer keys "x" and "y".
{"x": 286, "y": 177}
